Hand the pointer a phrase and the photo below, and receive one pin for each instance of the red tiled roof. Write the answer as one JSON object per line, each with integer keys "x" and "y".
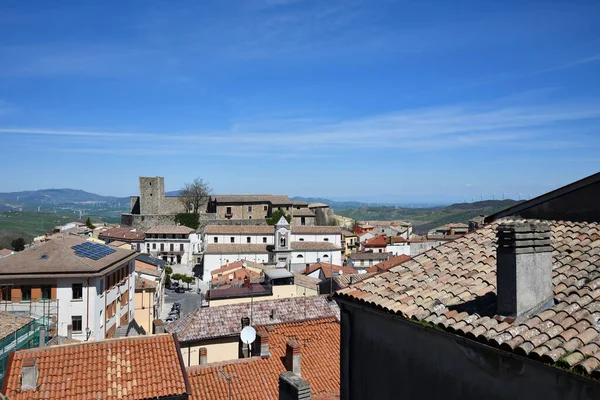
{"x": 143, "y": 283}
{"x": 123, "y": 234}
{"x": 139, "y": 367}
{"x": 327, "y": 269}
{"x": 387, "y": 264}
{"x": 433, "y": 284}
{"x": 258, "y": 378}
{"x": 238, "y": 264}
{"x": 377, "y": 241}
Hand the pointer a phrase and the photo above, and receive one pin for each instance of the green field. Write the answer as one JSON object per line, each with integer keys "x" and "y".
{"x": 424, "y": 219}
{"x": 28, "y": 224}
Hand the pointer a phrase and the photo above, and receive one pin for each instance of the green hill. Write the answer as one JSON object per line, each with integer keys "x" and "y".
{"x": 424, "y": 219}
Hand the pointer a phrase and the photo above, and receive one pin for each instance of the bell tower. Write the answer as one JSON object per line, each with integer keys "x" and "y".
{"x": 282, "y": 252}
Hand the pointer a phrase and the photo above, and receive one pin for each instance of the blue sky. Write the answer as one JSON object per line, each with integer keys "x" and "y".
{"x": 376, "y": 100}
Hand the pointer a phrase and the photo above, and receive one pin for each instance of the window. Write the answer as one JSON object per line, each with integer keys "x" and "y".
{"x": 181, "y": 247}
{"x": 25, "y": 293}
{"x": 162, "y": 247}
{"x": 171, "y": 247}
{"x": 249, "y": 208}
{"x": 76, "y": 323}
{"x": 228, "y": 212}
{"x": 6, "y": 293}
{"x": 46, "y": 292}
{"x": 326, "y": 240}
{"x": 248, "y": 239}
{"x": 325, "y": 256}
{"x": 249, "y": 216}
{"x": 266, "y": 208}
{"x": 299, "y": 256}
{"x": 216, "y": 239}
{"x": 264, "y": 240}
{"x": 301, "y": 240}
{"x": 77, "y": 291}
{"x": 148, "y": 247}
{"x": 302, "y": 221}
{"x": 232, "y": 240}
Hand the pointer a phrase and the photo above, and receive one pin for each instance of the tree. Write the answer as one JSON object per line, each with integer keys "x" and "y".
{"x": 276, "y": 216}
{"x": 89, "y": 224}
{"x": 18, "y": 244}
{"x": 193, "y": 195}
{"x": 188, "y": 279}
{"x": 177, "y": 277}
{"x": 168, "y": 270}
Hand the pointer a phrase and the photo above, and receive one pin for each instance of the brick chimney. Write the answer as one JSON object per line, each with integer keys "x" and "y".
{"x": 203, "y": 356}
{"x": 524, "y": 268}
{"x": 29, "y": 374}
{"x": 293, "y": 387}
{"x": 264, "y": 344}
{"x": 293, "y": 356}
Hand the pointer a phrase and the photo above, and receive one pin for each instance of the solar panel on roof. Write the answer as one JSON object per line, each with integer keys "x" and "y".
{"x": 94, "y": 251}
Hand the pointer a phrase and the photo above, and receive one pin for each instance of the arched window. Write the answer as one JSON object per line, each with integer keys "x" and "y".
{"x": 299, "y": 256}
{"x": 282, "y": 241}
{"x": 325, "y": 256}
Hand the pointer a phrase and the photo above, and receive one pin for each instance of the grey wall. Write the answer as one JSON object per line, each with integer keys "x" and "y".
{"x": 385, "y": 357}
{"x": 579, "y": 205}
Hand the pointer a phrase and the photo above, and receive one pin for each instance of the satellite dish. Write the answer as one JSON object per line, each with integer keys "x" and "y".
{"x": 248, "y": 335}
{"x": 341, "y": 272}
{"x": 230, "y": 277}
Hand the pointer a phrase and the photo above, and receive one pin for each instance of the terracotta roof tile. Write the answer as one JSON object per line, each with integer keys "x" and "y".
{"x": 126, "y": 368}
{"x": 258, "y": 377}
{"x": 327, "y": 269}
{"x": 461, "y": 275}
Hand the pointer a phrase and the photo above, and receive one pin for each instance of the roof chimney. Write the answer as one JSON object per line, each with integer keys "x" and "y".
{"x": 29, "y": 374}
{"x": 70, "y": 331}
{"x": 293, "y": 387}
{"x": 203, "y": 356}
{"x": 42, "y": 340}
{"x": 524, "y": 267}
{"x": 264, "y": 344}
{"x": 293, "y": 356}
{"x": 245, "y": 322}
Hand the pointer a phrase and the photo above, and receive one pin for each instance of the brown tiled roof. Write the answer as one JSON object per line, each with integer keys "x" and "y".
{"x": 10, "y": 322}
{"x": 317, "y": 229}
{"x": 453, "y": 287}
{"x": 347, "y": 233}
{"x": 387, "y": 264}
{"x": 306, "y": 281}
{"x": 60, "y": 258}
{"x": 345, "y": 280}
{"x": 398, "y": 239}
{"x": 225, "y": 321}
{"x": 143, "y": 283}
{"x": 140, "y": 367}
{"x": 257, "y": 378}
{"x": 117, "y": 243}
{"x": 327, "y": 269}
{"x": 219, "y": 248}
{"x": 368, "y": 255}
{"x": 170, "y": 229}
{"x": 127, "y": 234}
{"x": 240, "y": 229}
{"x": 238, "y": 264}
{"x": 317, "y": 205}
{"x": 142, "y": 269}
{"x": 299, "y": 246}
{"x": 303, "y": 212}
{"x": 377, "y": 241}
{"x": 275, "y": 199}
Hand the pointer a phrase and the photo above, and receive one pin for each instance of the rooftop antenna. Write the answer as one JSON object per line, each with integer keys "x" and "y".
{"x": 228, "y": 378}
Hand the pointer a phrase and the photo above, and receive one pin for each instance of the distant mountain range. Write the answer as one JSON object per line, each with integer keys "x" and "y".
{"x": 61, "y": 200}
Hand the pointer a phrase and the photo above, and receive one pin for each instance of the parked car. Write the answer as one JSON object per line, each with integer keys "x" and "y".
{"x": 180, "y": 289}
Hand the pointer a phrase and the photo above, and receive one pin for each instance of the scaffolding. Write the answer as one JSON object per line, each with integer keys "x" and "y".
{"x": 44, "y": 313}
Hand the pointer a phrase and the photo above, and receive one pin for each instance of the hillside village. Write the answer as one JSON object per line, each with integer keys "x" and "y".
{"x": 257, "y": 296}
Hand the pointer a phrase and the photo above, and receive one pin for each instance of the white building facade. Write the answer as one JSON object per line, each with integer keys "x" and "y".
{"x": 175, "y": 244}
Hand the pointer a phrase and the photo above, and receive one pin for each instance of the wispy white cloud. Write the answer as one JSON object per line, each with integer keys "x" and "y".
{"x": 416, "y": 130}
